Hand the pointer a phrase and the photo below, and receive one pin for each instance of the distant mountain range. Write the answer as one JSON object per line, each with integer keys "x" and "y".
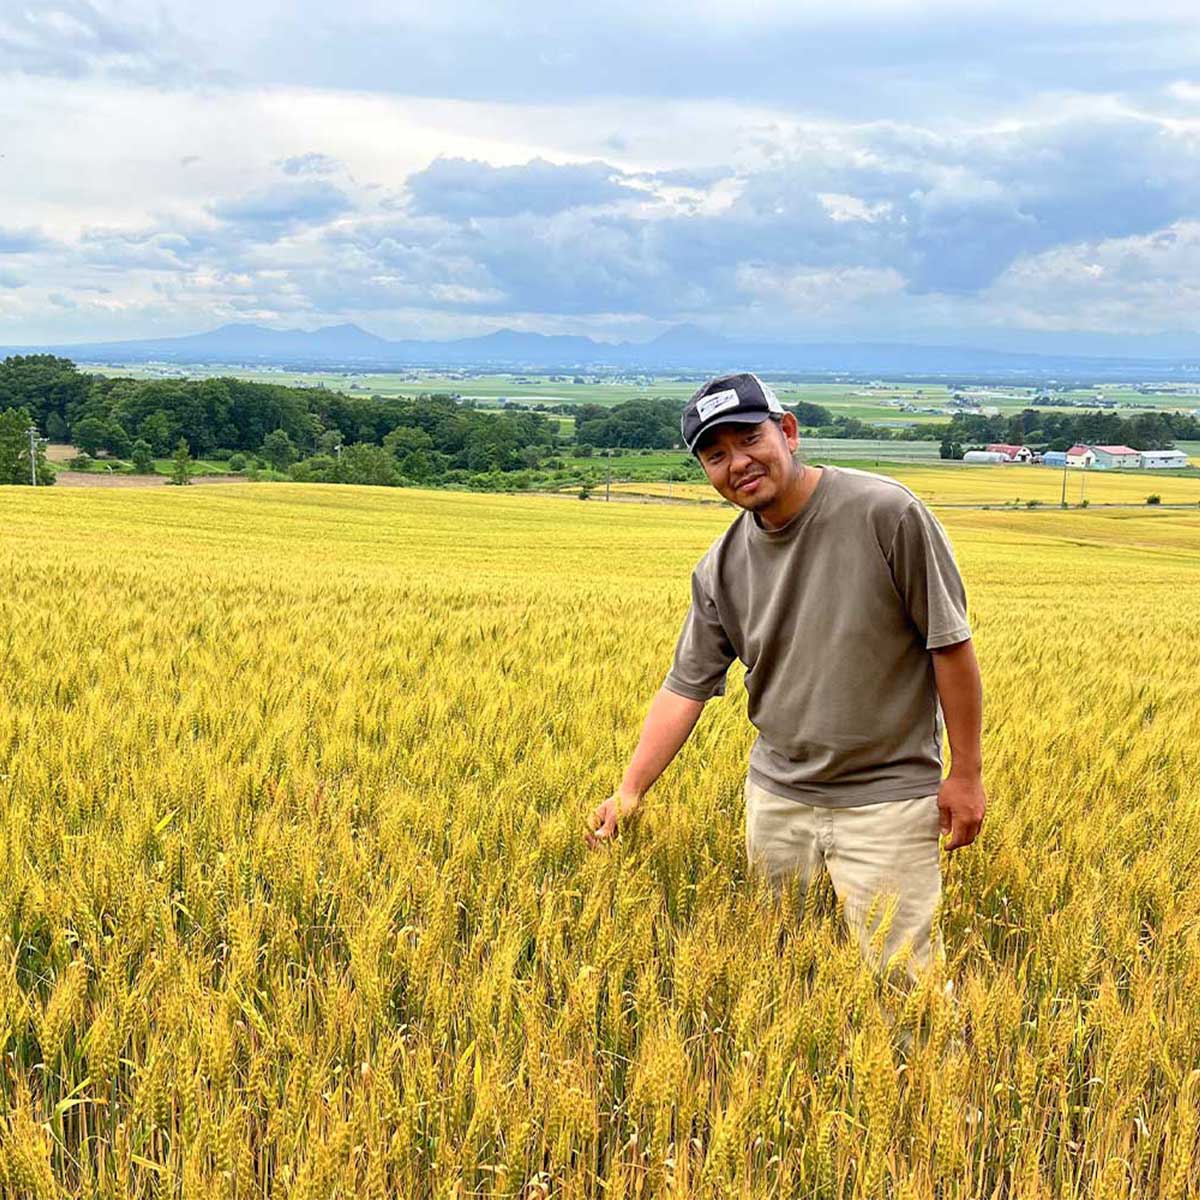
{"x": 684, "y": 349}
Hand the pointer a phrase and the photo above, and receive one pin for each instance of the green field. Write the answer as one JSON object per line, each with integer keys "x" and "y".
{"x": 162, "y": 466}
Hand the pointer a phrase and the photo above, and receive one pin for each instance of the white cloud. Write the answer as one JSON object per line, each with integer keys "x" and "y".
{"x": 823, "y": 292}
{"x": 163, "y": 171}
{"x": 1139, "y": 284}
{"x": 842, "y": 207}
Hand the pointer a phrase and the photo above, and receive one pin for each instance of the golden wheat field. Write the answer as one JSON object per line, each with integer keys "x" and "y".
{"x": 296, "y": 903}
{"x": 960, "y": 483}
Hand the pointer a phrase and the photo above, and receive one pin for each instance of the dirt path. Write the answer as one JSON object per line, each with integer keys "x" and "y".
{"x": 96, "y": 479}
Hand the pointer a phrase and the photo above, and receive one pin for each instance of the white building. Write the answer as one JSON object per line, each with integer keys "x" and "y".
{"x": 1117, "y": 456}
{"x": 1081, "y": 456}
{"x": 1013, "y": 453}
{"x": 984, "y": 456}
{"x": 1163, "y": 458}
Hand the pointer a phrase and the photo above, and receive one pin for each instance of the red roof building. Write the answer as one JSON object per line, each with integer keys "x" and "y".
{"x": 1117, "y": 449}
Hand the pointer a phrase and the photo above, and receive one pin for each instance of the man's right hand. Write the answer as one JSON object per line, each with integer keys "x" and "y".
{"x": 666, "y": 727}
{"x": 602, "y": 824}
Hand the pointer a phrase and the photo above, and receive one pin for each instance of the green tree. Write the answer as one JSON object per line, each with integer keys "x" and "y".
{"x": 320, "y": 468}
{"x": 56, "y": 428}
{"x": 634, "y": 424}
{"x": 143, "y": 459}
{"x": 156, "y": 429}
{"x": 181, "y": 469}
{"x": 43, "y": 385}
{"x": 14, "y": 450}
{"x": 407, "y": 439}
{"x": 809, "y": 415}
{"x": 278, "y": 449}
{"x": 90, "y": 435}
{"x": 365, "y": 463}
{"x": 116, "y": 440}
{"x": 415, "y": 465}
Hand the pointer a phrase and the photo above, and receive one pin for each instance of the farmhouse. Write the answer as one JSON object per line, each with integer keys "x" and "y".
{"x": 1021, "y": 454}
{"x": 1163, "y": 458}
{"x": 1117, "y": 456}
{"x": 1081, "y": 456}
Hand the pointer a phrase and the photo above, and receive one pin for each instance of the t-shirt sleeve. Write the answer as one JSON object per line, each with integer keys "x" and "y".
{"x": 927, "y": 578}
{"x": 703, "y": 652}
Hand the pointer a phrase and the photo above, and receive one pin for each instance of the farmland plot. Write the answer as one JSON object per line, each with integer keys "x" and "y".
{"x": 292, "y": 787}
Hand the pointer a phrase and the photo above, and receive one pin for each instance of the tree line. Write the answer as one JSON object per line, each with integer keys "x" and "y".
{"x": 644, "y": 424}
{"x": 311, "y": 433}
{"x": 319, "y": 435}
{"x": 1043, "y": 430}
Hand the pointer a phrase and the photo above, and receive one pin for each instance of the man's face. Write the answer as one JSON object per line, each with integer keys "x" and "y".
{"x": 751, "y": 465}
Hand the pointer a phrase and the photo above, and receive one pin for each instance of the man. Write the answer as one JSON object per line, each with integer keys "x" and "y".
{"x": 839, "y": 591}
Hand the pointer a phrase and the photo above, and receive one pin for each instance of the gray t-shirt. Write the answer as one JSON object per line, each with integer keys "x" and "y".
{"x": 833, "y": 616}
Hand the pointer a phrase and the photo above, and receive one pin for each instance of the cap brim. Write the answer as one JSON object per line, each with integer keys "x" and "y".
{"x": 736, "y": 418}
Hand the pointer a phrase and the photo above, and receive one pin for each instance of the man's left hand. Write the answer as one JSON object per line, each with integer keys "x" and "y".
{"x": 961, "y": 802}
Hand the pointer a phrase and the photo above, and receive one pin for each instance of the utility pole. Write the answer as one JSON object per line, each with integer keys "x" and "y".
{"x": 1064, "y": 487}
{"x": 607, "y": 473}
{"x": 33, "y": 455}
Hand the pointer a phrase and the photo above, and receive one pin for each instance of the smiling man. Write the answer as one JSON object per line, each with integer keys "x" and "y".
{"x": 839, "y": 591}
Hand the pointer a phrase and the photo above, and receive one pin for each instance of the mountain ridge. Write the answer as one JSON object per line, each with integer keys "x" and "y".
{"x": 685, "y": 347}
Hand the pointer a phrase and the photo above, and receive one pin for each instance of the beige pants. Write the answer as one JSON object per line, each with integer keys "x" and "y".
{"x": 882, "y": 859}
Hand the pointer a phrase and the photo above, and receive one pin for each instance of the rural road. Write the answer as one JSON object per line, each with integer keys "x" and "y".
{"x": 95, "y": 479}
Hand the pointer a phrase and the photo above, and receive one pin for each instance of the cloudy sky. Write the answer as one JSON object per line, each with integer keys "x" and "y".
{"x": 887, "y": 170}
